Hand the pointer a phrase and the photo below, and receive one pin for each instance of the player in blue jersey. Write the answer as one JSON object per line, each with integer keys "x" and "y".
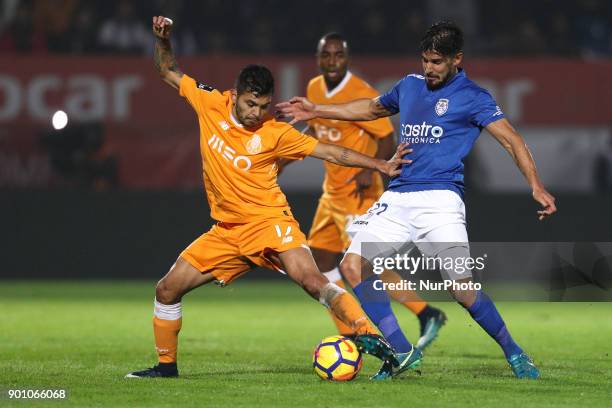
{"x": 441, "y": 114}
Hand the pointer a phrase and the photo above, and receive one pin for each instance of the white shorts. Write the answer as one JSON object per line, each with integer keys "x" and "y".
{"x": 431, "y": 220}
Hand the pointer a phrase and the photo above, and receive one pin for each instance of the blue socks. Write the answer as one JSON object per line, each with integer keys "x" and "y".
{"x": 484, "y": 312}
{"x": 377, "y": 306}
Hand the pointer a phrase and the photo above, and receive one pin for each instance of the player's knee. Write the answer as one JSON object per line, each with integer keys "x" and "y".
{"x": 350, "y": 268}
{"x": 165, "y": 294}
{"x": 464, "y": 297}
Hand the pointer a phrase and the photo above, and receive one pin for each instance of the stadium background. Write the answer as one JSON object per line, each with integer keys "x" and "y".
{"x": 117, "y": 193}
{"x": 92, "y": 216}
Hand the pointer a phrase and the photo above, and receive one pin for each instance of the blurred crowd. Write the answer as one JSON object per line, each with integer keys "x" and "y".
{"x": 580, "y": 28}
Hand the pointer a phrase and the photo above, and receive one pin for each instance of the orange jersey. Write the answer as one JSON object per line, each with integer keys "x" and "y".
{"x": 239, "y": 165}
{"x": 359, "y": 136}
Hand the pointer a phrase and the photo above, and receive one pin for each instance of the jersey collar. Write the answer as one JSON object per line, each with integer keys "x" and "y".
{"x": 339, "y": 87}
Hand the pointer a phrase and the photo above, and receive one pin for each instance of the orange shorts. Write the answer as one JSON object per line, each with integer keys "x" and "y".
{"x": 328, "y": 230}
{"x": 228, "y": 251}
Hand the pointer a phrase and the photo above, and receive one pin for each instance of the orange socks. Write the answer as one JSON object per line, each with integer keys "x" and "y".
{"x": 342, "y": 327}
{"x": 345, "y": 307}
{"x": 166, "y": 327}
{"x": 347, "y": 310}
{"x": 415, "y": 307}
{"x": 166, "y": 338}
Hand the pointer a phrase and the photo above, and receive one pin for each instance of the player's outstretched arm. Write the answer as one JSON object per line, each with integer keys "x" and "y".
{"x": 299, "y": 108}
{"x": 515, "y": 145}
{"x": 350, "y": 158}
{"x": 163, "y": 56}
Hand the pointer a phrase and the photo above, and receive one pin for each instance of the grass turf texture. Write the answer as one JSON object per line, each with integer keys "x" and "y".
{"x": 250, "y": 345}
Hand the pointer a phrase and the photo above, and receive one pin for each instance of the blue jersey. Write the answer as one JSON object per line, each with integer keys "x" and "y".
{"x": 441, "y": 126}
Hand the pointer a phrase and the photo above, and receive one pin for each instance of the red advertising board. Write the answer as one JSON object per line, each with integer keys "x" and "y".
{"x": 152, "y": 134}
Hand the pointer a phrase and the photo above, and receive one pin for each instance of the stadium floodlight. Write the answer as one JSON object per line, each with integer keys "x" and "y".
{"x": 59, "y": 120}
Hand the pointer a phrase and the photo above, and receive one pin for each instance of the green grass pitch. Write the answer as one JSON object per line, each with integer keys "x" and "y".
{"x": 250, "y": 345}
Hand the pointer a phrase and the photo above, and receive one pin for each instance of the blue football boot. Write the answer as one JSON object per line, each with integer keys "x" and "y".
{"x": 523, "y": 367}
{"x": 430, "y": 330}
{"x": 406, "y": 361}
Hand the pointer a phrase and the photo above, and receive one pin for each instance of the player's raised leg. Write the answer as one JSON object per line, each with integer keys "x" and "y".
{"x": 301, "y": 267}
{"x": 167, "y": 319}
{"x": 327, "y": 262}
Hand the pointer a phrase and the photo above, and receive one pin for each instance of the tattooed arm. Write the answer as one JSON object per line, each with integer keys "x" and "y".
{"x": 300, "y": 108}
{"x": 350, "y": 158}
{"x": 164, "y": 58}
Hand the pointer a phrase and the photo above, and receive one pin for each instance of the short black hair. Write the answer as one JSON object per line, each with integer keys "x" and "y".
{"x": 444, "y": 37}
{"x": 332, "y": 36}
{"x": 256, "y": 79}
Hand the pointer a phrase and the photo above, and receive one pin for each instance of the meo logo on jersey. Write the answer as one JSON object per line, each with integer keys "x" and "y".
{"x": 423, "y": 133}
{"x": 218, "y": 145}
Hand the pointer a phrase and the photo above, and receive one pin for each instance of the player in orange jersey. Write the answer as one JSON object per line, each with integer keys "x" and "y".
{"x": 349, "y": 192}
{"x": 240, "y": 144}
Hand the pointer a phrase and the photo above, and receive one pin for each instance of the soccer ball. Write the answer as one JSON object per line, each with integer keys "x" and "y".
{"x": 336, "y": 358}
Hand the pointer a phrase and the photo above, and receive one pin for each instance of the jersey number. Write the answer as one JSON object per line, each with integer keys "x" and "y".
{"x": 379, "y": 208}
{"x": 287, "y": 238}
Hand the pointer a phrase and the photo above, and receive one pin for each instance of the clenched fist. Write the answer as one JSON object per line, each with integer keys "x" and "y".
{"x": 162, "y": 27}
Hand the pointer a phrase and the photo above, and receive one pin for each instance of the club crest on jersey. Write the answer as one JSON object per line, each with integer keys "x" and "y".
{"x": 253, "y": 146}
{"x": 441, "y": 106}
{"x": 224, "y": 125}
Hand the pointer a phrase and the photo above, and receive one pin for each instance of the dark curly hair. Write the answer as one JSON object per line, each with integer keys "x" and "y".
{"x": 256, "y": 79}
{"x": 444, "y": 37}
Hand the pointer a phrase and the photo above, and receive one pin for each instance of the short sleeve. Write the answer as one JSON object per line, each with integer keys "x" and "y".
{"x": 197, "y": 94}
{"x": 390, "y": 100}
{"x": 484, "y": 110}
{"x": 295, "y": 145}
